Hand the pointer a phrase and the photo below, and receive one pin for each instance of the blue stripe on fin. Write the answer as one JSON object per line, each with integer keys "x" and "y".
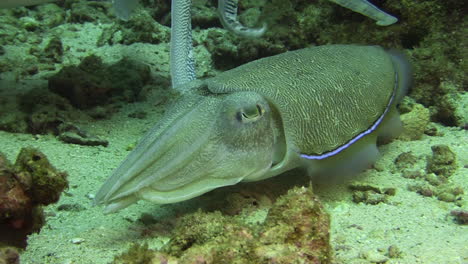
{"x": 360, "y": 135}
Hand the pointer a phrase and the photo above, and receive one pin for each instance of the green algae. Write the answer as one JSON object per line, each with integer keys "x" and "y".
{"x": 47, "y": 183}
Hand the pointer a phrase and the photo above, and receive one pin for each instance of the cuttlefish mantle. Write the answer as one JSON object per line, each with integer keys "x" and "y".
{"x": 320, "y": 108}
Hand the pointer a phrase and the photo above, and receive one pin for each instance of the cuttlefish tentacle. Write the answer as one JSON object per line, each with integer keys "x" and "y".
{"x": 227, "y": 10}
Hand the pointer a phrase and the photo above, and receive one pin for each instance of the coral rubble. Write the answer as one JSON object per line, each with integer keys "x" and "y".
{"x": 296, "y": 230}
{"x": 24, "y": 187}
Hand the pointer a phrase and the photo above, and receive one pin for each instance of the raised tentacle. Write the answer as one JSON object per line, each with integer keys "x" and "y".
{"x": 228, "y": 13}
{"x": 369, "y": 10}
{"x": 182, "y": 59}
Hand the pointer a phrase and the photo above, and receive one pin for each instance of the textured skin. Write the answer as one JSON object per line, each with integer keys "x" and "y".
{"x": 255, "y": 121}
{"x": 326, "y": 95}
{"x": 182, "y": 59}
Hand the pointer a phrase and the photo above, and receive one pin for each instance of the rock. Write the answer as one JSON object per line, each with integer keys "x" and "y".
{"x": 461, "y": 216}
{"x": 370, "y": 194}
{"x": 414, "y": 123}
{"x": 374, "y": 257}
{"x": 24, "y": 187}
{"x": 77, "y": 240}
{"x": 296, "y": 230}
{"x": 9, "y": 255}
{"x": 74, "y": 138}
{"x": 94, "y": 83}
{"x": 443, "y": 161}
{"x": 72, "y": 134}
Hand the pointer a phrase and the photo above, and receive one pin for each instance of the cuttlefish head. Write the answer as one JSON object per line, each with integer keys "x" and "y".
{"x": 202, "y": 143}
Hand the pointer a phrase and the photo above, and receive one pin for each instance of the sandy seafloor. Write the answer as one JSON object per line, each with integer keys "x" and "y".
{"x": 421, "y": 227}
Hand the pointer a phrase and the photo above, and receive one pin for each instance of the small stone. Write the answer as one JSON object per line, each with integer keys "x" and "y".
{"x": 130, "y": 147}
{"x": 370, "y": 194}
{"x": 9, "y": 255}
{"x": 98, "y": 112}
{"x": 406, "y": 160}
{"x": 71, "y": 207}
{"x": 74, "y": 138}
{"x": 138, "y": 114}
{"x": 414, "y": 123}
{"x": 412, "y": 174}
{"x": 422, "y": 188}
{"x": 443, "y": 161}
{"x": 362, "y": 186}
{"x": 379, "y": 167}
{"x": 369, "y": 197}
{"x": 431, "y": 130}
{"x": 394, "y": 251}
{"x": 77, "y": 240}
{"x": 446, "y": 196}
{"x": 374, "y": 257}
{"x": 432, "y": 179}
{"x": 457, "y": 190}
{"x": 461, "y": 216}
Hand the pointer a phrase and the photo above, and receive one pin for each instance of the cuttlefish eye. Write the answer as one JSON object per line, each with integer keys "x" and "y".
{"x": 250, "y": 113}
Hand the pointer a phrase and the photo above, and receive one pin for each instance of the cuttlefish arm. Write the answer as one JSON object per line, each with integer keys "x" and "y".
{"x": 204, "y": 142}
{"x": 319, "y": 108}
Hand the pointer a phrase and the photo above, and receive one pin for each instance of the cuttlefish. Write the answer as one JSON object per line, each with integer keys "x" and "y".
{"x": 321, "y": 108}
